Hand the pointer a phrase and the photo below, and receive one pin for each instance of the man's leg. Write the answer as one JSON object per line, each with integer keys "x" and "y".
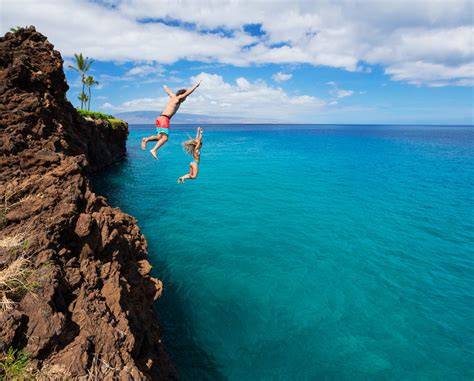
{"x": 163, "y": 139}
{"x": 153, "y": 138}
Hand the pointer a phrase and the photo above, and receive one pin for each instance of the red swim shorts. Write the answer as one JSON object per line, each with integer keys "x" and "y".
{"x": 162, "y": 121}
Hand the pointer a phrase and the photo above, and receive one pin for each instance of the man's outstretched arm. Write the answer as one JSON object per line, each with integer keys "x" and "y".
{"x": 185, "y": 94}
{"x": 170, "y": 93}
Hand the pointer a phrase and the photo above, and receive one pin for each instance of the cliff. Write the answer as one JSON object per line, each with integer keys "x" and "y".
{"x": 82, "y": 304}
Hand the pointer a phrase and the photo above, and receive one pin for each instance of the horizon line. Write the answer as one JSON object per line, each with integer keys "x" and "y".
{"x": 320, "y": 124}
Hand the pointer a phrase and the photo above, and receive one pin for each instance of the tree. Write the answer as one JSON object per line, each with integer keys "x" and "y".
{"x": 90, "y": 81}
{"x": 82, "y": 66}
{"x": 83, "y": 98}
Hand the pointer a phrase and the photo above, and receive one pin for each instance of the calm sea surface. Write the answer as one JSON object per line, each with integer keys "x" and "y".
{"x": 310, "y": 252}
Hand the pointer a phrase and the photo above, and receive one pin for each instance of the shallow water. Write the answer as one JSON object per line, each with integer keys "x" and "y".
{"x": 310, "y": 252}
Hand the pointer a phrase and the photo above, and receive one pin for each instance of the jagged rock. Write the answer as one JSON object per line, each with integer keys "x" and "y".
{"x": 92, "y": 307}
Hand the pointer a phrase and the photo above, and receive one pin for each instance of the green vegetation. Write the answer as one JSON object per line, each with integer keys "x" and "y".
{"x": 15, "y": 366}
{"x": 83, "y": 98}
{"x": 114, "y": 122}
{"x": 18, "y": 28}
{"x": 94, "y": 114}
{"x": 82, "y": 66}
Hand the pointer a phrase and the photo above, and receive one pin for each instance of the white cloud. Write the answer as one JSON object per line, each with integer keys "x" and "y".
{"x": 280, "y": 77}
{"x": 244, "y": 98}
{"x": 145, "y": 70}
{"x": 420, "y": 72}
{"x": 108, "y": 106}
{"x": 142, "y": 74}
{"x": 338, "y": 93}
{"x": 403, "y": 37}
{"x": 173, "y": 79}
{"x": 343, "y": 93}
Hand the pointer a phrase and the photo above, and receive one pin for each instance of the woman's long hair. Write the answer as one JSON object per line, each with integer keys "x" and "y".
{"x": 189, "y": 146}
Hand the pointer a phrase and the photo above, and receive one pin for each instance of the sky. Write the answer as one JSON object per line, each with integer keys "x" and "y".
{"x": 299, "y": 61}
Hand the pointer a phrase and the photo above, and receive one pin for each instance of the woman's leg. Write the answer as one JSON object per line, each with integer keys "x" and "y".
{"x": 193, "y": 171}
{"x": 188, "y": 175}
{"x": 163, "y": 139}
{"x": 185, "y": 177}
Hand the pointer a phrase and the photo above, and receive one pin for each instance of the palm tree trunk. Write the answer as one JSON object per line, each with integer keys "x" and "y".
{"x": 89, "y": 107}
{"x": 82, "y": 102}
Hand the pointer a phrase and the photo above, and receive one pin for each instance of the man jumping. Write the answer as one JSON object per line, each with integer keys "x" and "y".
{"x": 163, "y": 121}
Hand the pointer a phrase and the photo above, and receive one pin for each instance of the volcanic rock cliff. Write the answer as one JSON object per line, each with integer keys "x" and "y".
{"x": 86, "y": 305}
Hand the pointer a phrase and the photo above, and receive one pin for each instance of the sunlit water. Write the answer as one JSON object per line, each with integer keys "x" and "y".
{"x": 310, "y": 252}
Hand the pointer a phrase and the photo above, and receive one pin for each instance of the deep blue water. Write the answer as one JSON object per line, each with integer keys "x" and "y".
{"x": 310, "y": 252}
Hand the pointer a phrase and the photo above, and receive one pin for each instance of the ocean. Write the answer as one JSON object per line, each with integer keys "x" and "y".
{"x": 310, "y": 252}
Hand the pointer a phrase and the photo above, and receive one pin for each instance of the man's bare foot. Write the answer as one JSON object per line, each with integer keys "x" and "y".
{"x": 154, "y": 154}
{"x": 143, "y": 143}
{"x": 180, "y": 180}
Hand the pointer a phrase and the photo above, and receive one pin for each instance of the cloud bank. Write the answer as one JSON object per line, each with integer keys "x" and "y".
{"x": 420, "y": 42}
{"x": 217, "y": 97}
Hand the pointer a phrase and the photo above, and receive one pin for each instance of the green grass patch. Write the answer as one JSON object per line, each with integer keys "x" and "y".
{"x": 96, "y": 115}
{"x": 15, "y": 365}
{"x": 116, "y": 123}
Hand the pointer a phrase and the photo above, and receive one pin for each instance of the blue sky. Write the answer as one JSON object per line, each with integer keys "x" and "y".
{"x": 298, "y": 61}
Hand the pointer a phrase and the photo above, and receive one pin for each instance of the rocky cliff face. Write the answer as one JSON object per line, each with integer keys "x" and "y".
{"x": 87, "y": 308}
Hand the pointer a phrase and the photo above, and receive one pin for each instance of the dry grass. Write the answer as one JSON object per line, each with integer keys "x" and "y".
{"x": 100, "y": 370}
{"x": 15, "y": 282}
{"x": 53, "y": 372}
{"x": 19, "y": 241}
{"x": 13, "y": 194}
{"x": 12, "y": 242}
{"x": 6, "y": 304}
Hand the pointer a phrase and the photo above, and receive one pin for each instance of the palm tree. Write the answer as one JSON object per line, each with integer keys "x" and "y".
{"x": 83, "y": 98}
{"x": 90, "y": 81}
{"x": 82, "y": 66}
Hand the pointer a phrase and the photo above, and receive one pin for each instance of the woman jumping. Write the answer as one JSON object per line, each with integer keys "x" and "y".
{"x": 193, "y": 147}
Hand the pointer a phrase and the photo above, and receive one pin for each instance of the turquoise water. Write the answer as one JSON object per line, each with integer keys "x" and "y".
{"x": 310, "y": 252}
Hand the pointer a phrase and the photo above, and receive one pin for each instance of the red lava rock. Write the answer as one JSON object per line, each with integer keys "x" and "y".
{"x": 92, "y": 306}
{"x": 83, "y": 225}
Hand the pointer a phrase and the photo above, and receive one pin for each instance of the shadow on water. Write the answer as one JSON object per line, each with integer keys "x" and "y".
{"x": 191, "y": 360}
